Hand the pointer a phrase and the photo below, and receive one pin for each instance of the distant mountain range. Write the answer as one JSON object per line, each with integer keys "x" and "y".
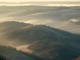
{"x": 28, "y": 33}
{"x": 43, "y": 42}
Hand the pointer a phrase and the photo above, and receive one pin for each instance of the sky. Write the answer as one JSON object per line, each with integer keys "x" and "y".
{"x": 33, "y": 0}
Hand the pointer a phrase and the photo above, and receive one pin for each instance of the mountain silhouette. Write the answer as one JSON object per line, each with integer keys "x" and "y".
{"x": 11, "y": 25}
{"x": 49, "y": 50}
{"x": 9, "y": 53}
{"x": 45, "y": 42}
{"x": 28, "y": 33}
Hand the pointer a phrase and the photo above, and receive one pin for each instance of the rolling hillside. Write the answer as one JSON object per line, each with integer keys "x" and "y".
{"x": 9, "y": 53}
{"x": 43, "y": 42}
{"x": 13, "y": 54}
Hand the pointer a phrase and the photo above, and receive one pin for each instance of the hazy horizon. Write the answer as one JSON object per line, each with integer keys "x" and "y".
{"x": 40, "y": 3}
{"x": 66, "y": 18}
{"x": 34, "y": 0}
{"x": 39, "y": 29}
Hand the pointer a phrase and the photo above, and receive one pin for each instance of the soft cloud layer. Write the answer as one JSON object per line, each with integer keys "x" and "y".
{"x": 67, "y": 18}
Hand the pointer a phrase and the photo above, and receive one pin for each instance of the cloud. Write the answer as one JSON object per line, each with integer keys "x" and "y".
{"x": 59, "y": 17}
{"x": 75, "y": 21}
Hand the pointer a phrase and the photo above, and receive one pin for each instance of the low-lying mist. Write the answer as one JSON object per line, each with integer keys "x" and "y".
{"x": 66, "y": 18}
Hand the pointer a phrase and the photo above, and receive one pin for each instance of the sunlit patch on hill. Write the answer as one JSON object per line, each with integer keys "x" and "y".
{"x": 24, "y": 48}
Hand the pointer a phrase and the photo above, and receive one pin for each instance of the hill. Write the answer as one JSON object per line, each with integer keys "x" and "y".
{"x": 42, "y": 32}
{"x": 8, "y": 26}
{"x": 27, "y": 33}
{"x": 49, "y": 50}
{"x": 13, "y": 54}
{"x": 43, "y": 42}
{"x": 9, "y": 53}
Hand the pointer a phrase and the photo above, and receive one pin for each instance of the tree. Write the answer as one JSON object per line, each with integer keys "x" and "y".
{"x": 2, "y": 58}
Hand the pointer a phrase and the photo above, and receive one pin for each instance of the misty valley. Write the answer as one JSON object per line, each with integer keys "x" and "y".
{"x": 39, "y": 33}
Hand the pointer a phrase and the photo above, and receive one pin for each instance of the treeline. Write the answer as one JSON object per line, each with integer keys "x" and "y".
{"x": 2, "y": 57}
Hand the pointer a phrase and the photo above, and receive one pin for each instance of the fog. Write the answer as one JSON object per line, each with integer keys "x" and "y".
{"x": 66, "y": 18}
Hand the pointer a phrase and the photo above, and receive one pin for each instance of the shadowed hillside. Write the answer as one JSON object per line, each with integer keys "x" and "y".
{"x": 46, "y": 43}
{"x": 11, "y": 26}
{"x": 13, "y": 54}
{"x": 28, "y": 33}
{"x": 49, "y": 50}
{"x": 42, "y": 32}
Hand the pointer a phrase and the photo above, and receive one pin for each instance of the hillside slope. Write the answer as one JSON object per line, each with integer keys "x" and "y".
{"x": 21, "y": 33}
{"x": 43, "y": 41}
{"x": 13, "y": 54}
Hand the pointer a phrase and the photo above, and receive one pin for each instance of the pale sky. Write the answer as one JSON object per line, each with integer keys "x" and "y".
{"x": 33, "y": 0}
